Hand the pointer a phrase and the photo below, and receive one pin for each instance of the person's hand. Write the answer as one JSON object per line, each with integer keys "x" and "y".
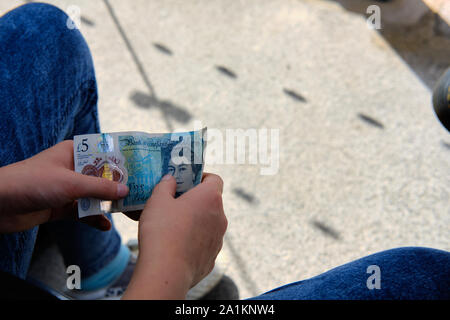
{"x": 45, "y": 188}
{"x": 179, "y": 239}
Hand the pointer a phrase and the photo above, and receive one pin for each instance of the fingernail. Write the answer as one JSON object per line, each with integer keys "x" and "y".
{"x": 167, "y": 177}
{"x": 122, "y": 190}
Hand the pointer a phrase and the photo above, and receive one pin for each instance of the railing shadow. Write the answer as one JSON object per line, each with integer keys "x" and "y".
{"x": 170, "y": 111}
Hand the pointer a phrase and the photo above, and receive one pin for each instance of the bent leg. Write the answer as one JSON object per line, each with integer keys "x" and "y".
{"x": 405, "y": 273}
{"x": 48, "y": 94}
{"x": 48, "y": 89}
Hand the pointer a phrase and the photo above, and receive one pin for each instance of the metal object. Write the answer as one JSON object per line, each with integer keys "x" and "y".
{"x": 441, "y": 99}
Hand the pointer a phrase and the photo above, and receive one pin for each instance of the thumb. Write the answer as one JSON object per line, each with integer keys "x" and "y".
{"x": 84, "y": 186}
{"x": 166, "y": 187}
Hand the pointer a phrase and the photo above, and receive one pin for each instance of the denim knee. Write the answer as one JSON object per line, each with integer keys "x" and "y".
{"x": 405, "y": 273}
{"x": 47, "y": 78}
{"x": 37, "y": 36}
{"x": 420, "y": 254}
{"x": 35, "y": 20}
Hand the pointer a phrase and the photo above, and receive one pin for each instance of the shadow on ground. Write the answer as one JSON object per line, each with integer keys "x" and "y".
{"x": 149, "y": 99}
{"x": 424, "y": 45}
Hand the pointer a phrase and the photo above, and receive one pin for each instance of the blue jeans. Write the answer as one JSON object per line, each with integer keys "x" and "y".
{"x": 410, "y": 273}
{"x": 48, "y": 93}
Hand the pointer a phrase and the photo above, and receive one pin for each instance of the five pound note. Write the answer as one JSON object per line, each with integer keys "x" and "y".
{"x": 138, "y": 160}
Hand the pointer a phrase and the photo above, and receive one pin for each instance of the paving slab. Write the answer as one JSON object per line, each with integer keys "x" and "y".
{"x": 364, "y": 164}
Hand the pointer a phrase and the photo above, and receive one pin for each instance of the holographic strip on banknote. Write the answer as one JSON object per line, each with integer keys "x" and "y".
{"x": 139, "y": 160}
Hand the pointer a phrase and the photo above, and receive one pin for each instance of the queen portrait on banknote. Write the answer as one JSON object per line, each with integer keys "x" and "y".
{"x": 186, "y": 173}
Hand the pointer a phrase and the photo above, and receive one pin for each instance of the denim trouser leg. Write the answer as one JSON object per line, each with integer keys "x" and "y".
{"x": 404, "y": 273}
{"x": 48, "y": 93}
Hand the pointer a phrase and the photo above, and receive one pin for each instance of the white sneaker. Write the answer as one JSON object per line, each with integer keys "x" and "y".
{"x": 111, "y": 292}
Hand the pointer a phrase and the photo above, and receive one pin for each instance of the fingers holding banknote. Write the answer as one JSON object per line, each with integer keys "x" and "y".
{"x": 212, "y": 181}
{"x": 179, "y": 239}
{"x": 45, "y": 188}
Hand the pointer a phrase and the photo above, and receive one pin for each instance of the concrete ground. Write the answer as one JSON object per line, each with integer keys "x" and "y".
{"x": 364, "y": 163}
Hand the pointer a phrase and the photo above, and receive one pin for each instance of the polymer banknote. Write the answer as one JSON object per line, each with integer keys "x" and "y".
{"x": 139, "y": 160}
